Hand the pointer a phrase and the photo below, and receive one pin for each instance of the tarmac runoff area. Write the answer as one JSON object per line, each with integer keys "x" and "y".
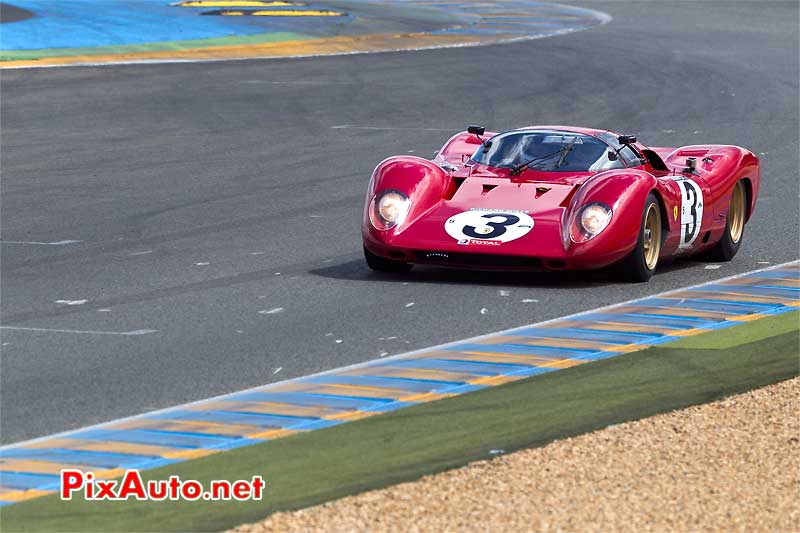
{"x": 731, "y": 465}
{"x": 70, "y": 32}
{"x": 175, "y": 177}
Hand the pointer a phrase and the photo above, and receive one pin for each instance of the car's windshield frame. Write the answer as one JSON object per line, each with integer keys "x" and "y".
{"x": 553, "y": 159}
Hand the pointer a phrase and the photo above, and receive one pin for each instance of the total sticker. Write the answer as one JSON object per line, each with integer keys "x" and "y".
{"x": 495, "y": 226}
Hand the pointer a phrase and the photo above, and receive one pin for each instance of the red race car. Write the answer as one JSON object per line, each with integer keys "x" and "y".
{"x": 558, "y": 198}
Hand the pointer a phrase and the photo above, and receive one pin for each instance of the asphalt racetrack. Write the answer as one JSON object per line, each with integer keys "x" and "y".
{"x": 219, "y": 203}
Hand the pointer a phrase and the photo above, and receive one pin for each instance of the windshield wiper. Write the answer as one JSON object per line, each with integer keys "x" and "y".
{"x": 566, "y": 150}
{"x": 517, "y": 170}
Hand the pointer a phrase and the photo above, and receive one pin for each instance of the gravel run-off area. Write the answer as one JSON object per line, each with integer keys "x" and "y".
{"x": 731, "y": 465}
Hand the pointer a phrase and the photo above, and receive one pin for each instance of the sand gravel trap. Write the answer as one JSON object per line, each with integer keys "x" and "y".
{"x": 732, "y": 465}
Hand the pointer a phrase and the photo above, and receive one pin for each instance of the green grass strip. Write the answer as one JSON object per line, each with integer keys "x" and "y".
{"x": 242, "y": 40}
{"x": 310, "y": 468}
{"x": 731, "y": 337}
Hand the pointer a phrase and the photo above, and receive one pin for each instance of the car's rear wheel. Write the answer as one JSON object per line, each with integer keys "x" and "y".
{"x": 731, "y": 239}
{"x": 379, "y": 264}
{"x": 641, "y": 263}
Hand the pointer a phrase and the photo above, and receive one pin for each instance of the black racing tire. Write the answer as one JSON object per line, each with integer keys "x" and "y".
{"x": 640, "y": 265}
{"x": 379, "y": 264}
{"x": 729, "y": 244}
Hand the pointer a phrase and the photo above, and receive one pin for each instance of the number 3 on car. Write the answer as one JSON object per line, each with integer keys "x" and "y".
{"x": 691, "y": 211}
{"x": 502, "y": 227}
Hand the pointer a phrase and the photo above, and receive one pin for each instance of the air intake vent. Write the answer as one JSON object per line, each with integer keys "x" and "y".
{"x": 452, "y": 190}
{"x": 487, "y": 188}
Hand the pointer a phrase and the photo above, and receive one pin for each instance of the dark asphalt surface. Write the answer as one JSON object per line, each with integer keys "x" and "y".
{"x": 205, "y": 193}
{"x": 10, "y": 13}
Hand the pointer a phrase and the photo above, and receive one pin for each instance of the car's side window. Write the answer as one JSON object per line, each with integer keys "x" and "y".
{"x": 630, "y": 156}
{"x": 606, "y": 164}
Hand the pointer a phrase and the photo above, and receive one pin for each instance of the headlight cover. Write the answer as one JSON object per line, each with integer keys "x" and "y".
{"x": 388, "y": 209}
{"x": 591, "y": 219}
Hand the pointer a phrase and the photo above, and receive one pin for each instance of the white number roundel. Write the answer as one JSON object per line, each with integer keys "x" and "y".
{"x": 488, "y": 225}
{"x": 691, "y": 211}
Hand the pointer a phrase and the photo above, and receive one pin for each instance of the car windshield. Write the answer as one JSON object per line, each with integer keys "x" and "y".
{"x": 553, "y": 151}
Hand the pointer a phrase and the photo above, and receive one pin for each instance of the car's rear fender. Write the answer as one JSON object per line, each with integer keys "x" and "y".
{"x": 722, "y": 166}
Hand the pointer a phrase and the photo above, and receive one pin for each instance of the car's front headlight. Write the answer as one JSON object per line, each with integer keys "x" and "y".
{"x": 590, "y": 221}
{"x": 388, "y": 209}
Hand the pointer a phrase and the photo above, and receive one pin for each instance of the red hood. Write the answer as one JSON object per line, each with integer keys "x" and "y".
{"x": 493, "y": 193}
{"x": 543, "y": 201}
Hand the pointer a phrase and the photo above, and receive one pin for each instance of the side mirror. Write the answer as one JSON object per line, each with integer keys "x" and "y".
{"x": 612, "y": 155}
{"x": 626, "y": 139}
{"x": 476, "y": 130}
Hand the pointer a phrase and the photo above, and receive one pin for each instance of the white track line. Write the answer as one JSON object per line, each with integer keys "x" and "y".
{"x": 85, "y": 332}
{"x": 56, "y": 243}
{"x": 64, "y": 434}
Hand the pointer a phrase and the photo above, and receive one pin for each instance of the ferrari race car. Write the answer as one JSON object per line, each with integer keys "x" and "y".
{"x": 558, "y": 198}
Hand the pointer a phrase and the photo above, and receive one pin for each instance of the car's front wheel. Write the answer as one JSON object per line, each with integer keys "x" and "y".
{"x": 641, "y": 263}
{"x": 379, "y": 264}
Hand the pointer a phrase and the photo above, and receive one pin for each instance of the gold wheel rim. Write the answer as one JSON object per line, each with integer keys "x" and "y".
{"x": 736, "y": 212}
{"x": 652, "y": 236}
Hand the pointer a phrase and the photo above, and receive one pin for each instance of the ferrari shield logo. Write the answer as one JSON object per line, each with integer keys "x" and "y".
{"x": 675, "y": 212}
